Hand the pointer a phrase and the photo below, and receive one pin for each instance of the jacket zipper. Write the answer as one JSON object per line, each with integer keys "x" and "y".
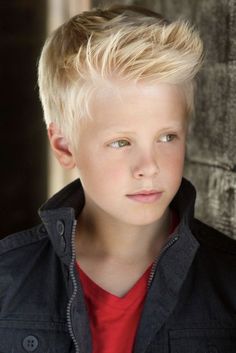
{"x": 156, "y": 261}
{"x": 75, "y": 288}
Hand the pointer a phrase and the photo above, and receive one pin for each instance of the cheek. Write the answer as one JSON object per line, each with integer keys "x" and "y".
{"x": 114, "y": 171}
{"x": 177, "y": 165}
{"x": 100, "y": 168}
{"x": 173, "y": 161}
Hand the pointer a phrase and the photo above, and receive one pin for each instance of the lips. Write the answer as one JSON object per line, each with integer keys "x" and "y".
{"x": 149, "y": 197}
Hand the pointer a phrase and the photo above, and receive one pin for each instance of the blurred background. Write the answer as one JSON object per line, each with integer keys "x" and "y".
{"x": 30, "y": 174}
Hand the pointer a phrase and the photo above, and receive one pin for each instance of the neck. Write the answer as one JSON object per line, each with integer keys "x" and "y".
{"x": 109, "y": 238}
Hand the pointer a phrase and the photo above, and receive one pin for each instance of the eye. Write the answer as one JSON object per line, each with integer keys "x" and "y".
{"x": 168, "y": 138}
{"x": 119, "y": 143}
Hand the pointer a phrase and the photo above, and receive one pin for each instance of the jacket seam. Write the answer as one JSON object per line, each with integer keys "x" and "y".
{"x": 19, "y": 240}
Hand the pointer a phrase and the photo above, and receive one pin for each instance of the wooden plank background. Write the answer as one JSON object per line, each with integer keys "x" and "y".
{"x": 211, "y": 148}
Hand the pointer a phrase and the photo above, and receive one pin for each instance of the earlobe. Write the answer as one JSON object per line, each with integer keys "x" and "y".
{"x": 60, "y": 147}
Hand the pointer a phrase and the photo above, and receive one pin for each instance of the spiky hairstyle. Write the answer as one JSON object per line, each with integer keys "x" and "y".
{"x": 127, "y": 42}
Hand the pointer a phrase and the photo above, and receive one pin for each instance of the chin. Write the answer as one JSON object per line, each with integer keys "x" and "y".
{"x": 144, "y": 220}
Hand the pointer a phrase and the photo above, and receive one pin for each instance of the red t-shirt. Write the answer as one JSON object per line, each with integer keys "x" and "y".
{"x": 114, "y": 320}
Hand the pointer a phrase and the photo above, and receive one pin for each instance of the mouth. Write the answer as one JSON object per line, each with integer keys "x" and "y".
{"x": 147, "y": 197}
{"x": 145, "y": 192}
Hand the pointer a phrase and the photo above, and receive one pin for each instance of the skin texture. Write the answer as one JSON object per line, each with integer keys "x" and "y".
{"x": 136, "y": 141}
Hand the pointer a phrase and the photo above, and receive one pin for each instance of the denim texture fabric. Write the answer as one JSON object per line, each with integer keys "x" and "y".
{"x": 190, "y": 306}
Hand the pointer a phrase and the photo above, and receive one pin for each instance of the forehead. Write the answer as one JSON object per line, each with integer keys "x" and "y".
{"x": 118, "y": 104}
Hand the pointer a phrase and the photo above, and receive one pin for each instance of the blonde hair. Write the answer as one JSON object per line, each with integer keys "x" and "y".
{"x": 128, "y": 42}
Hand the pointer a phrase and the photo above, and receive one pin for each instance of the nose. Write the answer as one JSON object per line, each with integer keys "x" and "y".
{"x": 146, "y": 165}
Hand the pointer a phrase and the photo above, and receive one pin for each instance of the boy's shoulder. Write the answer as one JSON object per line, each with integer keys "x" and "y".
{"x": 213, "y": 239}
{"x": 29, "y": 289}
{"x": 23, "y": 238}
{"x": 217, "y": 254}
{"x": 215, "y": 261}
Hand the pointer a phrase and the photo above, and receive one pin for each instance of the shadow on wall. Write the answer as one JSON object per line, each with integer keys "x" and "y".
{"x": 23, "y": 153}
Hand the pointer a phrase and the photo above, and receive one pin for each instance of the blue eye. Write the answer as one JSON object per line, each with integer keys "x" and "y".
{"x": 119, "y": 143}
{"x": 168, "y": 138}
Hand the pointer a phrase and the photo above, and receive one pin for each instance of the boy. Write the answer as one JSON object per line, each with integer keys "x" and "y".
{"x": 119, "y": 263}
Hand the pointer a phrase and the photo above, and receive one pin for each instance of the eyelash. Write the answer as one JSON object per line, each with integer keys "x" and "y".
{"x": 173, "y": 137}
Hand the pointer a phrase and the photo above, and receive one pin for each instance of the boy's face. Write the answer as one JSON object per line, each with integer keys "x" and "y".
{"x": 136, "y": 142}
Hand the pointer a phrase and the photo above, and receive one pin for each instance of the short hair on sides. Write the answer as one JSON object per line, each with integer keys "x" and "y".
{"x": 123, "y": 41}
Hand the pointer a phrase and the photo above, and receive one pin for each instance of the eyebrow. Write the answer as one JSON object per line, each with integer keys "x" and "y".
{"x": 173, "y": 127}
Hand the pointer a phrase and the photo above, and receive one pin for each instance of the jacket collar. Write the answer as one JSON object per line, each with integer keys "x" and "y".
{"x": 59, "y": 213}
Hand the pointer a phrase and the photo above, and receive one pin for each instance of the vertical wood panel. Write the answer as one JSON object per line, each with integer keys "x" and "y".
{"x": 216, "y": 200}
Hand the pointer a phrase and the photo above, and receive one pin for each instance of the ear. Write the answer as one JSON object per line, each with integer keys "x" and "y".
{"x": 60, "y": 147}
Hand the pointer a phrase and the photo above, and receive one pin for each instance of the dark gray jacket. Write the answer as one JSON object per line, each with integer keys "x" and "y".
{"x": 190, "y": 306}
